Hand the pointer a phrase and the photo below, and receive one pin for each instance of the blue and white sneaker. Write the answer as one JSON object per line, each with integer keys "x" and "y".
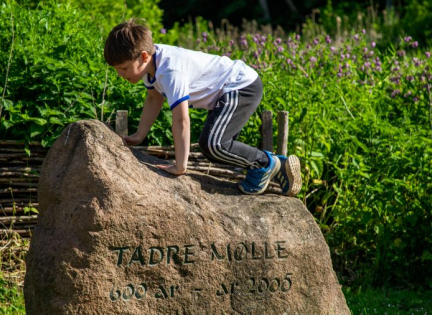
{"x": 258, "y": 179}
{"x": 289, "y": 175}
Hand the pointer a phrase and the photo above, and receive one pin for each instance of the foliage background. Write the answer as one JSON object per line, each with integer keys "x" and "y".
{"x": 360, "y": 114}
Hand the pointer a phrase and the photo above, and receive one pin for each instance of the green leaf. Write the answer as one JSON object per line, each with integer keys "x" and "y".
{"x": 56, "y": 121}
{"x": 36, "y": 130}
{"x": 427, "y": 255}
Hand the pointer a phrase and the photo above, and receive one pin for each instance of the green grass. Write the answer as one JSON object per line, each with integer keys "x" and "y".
{"x": 387, "y": 301}
{"x": 11, "y": 298}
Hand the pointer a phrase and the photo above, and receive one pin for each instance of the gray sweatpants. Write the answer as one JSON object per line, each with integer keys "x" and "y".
{"x": 223, "y": 125}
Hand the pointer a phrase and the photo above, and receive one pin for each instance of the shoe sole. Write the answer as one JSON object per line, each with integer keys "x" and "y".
{"x": 292, "y": 165}
{"x": 273, "y": 174}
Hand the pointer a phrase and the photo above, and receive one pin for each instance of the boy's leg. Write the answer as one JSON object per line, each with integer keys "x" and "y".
{"x": 223, "y": 125}
{"x": 217, "y": 141}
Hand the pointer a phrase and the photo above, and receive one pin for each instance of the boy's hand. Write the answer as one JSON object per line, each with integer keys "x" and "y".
{"x": 172, "y": 169}
{"x": 134, "y": 139}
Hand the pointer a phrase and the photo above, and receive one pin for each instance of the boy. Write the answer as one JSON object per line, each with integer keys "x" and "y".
{"x": 230, "y": 90}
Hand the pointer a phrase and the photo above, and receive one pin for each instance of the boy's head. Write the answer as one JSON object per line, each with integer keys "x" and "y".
{"x": 126, "y": 42}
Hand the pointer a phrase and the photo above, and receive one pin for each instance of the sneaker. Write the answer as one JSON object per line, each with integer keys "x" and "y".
{"x": 289, "y": 176}
{"x": 258, "y": 179}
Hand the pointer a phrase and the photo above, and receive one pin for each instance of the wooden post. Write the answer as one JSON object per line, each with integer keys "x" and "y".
{"x": 283, "y": 128}
{"x": 122, "y": 123}
{"x": 267, "y": 131}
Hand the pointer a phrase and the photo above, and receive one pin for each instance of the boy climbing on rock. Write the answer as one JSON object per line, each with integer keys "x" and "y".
{"x": 230, "y": 90}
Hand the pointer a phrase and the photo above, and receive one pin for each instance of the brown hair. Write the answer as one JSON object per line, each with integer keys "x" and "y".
{"x": 126, "y": 41}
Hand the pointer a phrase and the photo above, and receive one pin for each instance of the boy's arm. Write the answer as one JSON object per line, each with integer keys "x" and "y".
{"x": 181, "y": 135}
{"x": 151, "y": 109}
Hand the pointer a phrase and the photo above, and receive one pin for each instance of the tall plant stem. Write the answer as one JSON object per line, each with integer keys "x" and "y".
{"x": 103, "y": 93}
{"x": 9, "y": 64}
{"x": 430, "y": 106}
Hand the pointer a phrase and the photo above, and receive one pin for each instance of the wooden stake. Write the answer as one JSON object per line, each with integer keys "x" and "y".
{"x": 283, "y": 128}
{"x": 122, "y": 123}
{"x": 267, "y": 131}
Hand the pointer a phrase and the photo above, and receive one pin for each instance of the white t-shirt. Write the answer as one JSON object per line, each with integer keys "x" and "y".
{"x": 183, "y": 74}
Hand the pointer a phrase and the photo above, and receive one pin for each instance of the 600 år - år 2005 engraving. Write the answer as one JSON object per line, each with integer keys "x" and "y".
{"x": 251, "y": 285}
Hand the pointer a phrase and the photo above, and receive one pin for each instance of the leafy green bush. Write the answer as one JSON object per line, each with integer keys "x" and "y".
{"x": 417, "y": 20}
{"x": 106, "y": 14}
{"x": 57, "y": 74}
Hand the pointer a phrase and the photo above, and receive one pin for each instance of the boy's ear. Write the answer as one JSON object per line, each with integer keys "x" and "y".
{"x": 145, "y": 56}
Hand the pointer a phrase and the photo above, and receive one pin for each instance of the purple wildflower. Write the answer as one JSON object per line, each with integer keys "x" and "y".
{"x": 280, "y": 49}
{"x": 332, "y": 49}
{"x": 428, "y": 54}
{"x": 401, "y": 53}
{"x": 163, "y": 31}
{"x": 407, "y": 39}
{"x": 410, "y": 78}
{"x": 395, "y": 92}
{"x": 415, "y": 99}
{"x": 278, "y": 40}
{"x": 395, "y": 80}
{"x": 356, "y": 37}
{"x": 297, "y": 37}
{"x": 367, "y": 64}
{"x": 365, "y": 50}
{"x": 373, "y": 44}
{"x": 363, "y": 31}
{"x": 328, "y": 39}
{"x": 415, "y": 44}
{"x": 316, "y": 41}
{"x": 243, "y": 42}
{"x": 407, "y": 94}
{"x": 371, "y": 53}
{"x": 231, "y": 42}
{"x": 416, "y": 62}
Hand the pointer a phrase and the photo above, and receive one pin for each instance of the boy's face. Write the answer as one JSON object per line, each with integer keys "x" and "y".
{"x": 133, "y": 70}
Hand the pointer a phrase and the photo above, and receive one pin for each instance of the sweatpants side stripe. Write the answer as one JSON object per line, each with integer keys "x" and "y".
{"x": 212, "y": 145}
{"x": 234, "y": 100}
{"x": 220, "y": 127}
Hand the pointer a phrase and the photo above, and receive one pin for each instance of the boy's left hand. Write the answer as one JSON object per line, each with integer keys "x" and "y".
{"x": 172, "y": 169}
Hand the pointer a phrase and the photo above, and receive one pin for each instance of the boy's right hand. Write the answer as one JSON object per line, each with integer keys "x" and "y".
{"x": 134, "y": 139}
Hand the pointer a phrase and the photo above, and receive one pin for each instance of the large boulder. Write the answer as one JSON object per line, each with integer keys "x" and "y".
{"x": 116, "y": 235}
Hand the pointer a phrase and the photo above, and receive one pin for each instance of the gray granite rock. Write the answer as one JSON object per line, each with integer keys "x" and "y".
{"x": 115, "y": 235}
